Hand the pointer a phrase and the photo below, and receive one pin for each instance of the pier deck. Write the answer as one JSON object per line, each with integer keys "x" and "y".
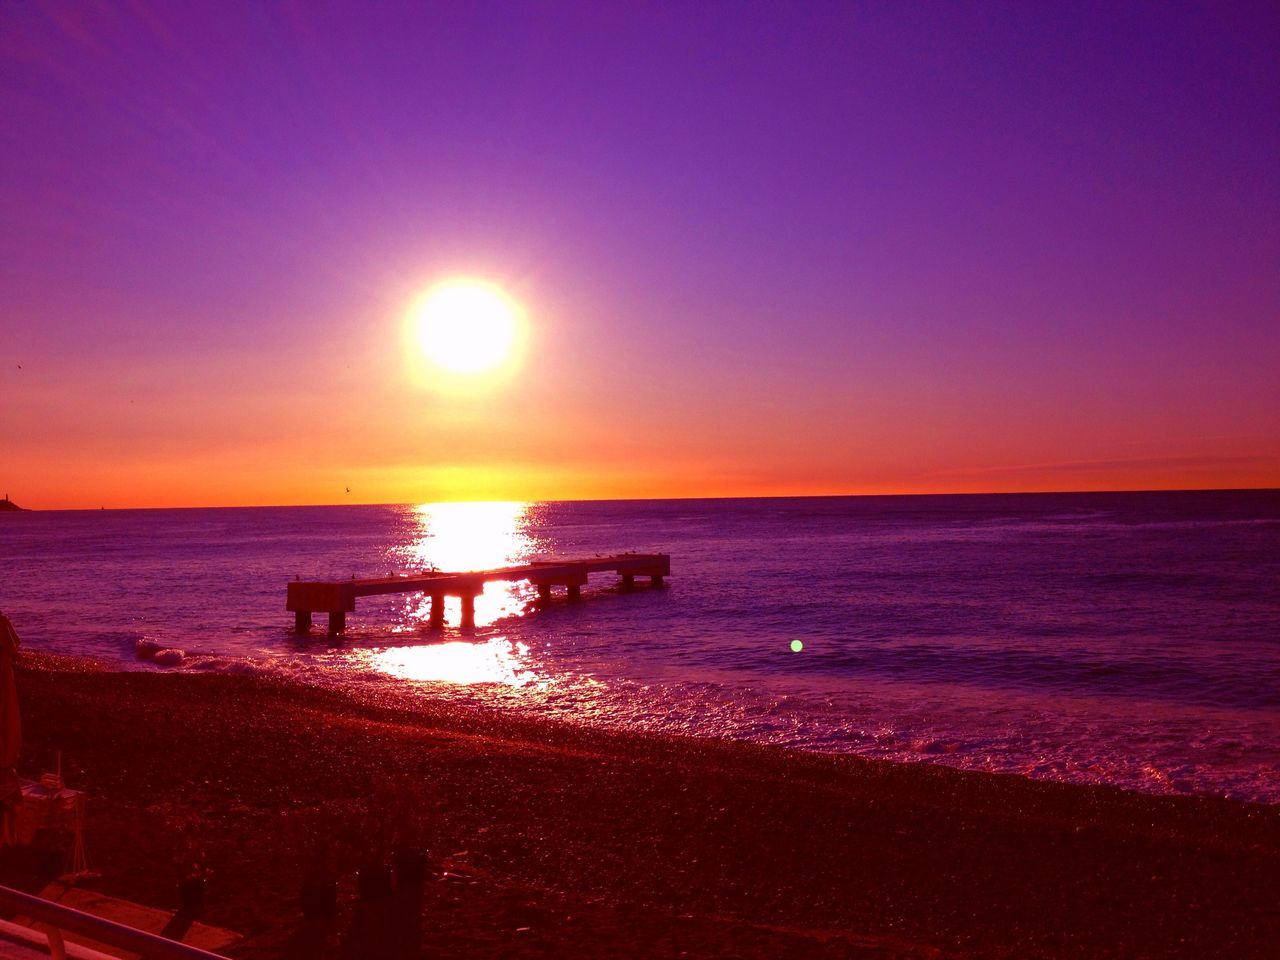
{"x": 338, "y": 597}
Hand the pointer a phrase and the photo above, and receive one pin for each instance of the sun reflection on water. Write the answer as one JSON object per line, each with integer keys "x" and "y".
{"x": 460, "y": 662}
{"x": 472, "y": 536}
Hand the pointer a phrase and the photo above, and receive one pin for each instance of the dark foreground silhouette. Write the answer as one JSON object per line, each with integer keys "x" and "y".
{"x": 546, "y": 840}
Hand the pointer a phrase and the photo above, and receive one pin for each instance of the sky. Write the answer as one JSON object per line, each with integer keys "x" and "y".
{"x": 760, "y": 249}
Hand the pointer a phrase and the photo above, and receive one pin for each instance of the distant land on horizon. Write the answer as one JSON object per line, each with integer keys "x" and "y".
{"x": 7, "y": 504}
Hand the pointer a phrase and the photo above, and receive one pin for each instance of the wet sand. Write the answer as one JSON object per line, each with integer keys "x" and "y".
{"x": 550, "y": 840}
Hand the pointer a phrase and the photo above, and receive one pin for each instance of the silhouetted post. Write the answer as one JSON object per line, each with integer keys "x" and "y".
{"x": 301, "y": 621}
{"x": 575, "y": 592}
{"x": 337, "y": 622}
{"x": 628, "y": 581}
{"x": 544, "y": 592}
{"x": 437, "y": 611}
{"x": 656, "y": 580}
{"x": 468, "y": 611}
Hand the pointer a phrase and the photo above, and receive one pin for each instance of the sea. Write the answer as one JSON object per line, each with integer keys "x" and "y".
{"x": 1130, "y": 639}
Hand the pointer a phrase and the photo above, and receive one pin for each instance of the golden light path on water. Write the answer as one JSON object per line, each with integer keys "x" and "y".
{"x": 457, "y": 537}
{"x": 458, "y": 661}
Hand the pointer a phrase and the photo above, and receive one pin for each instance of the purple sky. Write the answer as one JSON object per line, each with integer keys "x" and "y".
{"x": 764, "y": 248}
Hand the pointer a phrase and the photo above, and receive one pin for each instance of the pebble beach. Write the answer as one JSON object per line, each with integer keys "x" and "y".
{"x": 548, "y": 839}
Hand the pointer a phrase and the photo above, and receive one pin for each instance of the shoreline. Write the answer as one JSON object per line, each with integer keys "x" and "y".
{"x": 549, "y": 837}
{"x": 365, "y": 684}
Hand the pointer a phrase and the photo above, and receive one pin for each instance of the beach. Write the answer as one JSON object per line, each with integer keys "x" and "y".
{"x": 547, "y": 839}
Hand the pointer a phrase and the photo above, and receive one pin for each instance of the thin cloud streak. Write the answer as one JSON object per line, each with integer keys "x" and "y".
{"x": 1082, "y": 466}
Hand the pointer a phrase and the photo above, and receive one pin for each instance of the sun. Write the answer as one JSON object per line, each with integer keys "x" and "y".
{"x": 466, "y": 326}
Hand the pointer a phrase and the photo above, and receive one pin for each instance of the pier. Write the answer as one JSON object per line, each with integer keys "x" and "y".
{"x": 337, "y": 598}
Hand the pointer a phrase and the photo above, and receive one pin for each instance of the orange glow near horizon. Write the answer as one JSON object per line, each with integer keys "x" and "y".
{"x": 362, "y": 416}
{"x": 596, "y": 414}
{"x": 210, "y": 484}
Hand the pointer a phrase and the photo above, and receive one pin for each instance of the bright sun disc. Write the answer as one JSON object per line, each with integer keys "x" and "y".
{"x": 466, "y": 326}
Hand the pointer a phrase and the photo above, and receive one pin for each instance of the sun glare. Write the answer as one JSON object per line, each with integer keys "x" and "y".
{"x": 495, "y": 661}
{"x": 472, "y": 536}
{"x": 467, "y": 326}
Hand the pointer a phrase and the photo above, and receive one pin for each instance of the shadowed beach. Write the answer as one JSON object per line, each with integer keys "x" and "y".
{"x": 545, "y": 839}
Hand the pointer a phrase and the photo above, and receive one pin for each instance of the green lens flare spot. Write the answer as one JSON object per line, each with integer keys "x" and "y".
{"x": 796, "y": 646}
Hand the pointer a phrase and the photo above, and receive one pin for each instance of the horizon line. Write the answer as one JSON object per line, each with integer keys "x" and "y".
{"x": 788, "y": 496}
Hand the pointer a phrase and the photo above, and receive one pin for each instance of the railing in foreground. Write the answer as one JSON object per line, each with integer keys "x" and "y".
{"x": 53, "y": 918}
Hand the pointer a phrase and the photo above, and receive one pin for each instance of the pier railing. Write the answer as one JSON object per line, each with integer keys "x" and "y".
{"x": 51, "y": 919}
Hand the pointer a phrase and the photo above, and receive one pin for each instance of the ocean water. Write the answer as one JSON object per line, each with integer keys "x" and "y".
{"x": 1130, "y": 639}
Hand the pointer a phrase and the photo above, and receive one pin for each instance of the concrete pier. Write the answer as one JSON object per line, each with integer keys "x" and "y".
{"x": 338, "y": 598}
